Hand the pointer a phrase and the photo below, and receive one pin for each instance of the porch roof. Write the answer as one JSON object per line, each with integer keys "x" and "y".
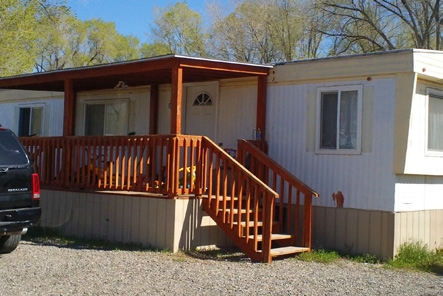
{"x": 156, "y": 70}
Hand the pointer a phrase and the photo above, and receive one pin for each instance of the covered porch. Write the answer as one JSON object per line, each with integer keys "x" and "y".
{"x": 250, "y": 197}
{"x": 172, "y": 70}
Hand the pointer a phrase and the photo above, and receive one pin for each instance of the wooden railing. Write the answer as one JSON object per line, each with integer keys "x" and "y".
{"x": 293, "y": 210}
{"x": 164, "y": 164}
{"x": 252, "y": 213}
{"x": 240, "y": 203}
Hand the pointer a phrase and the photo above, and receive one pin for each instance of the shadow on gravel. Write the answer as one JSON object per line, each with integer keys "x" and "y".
{"x": 223, "y": 254}
{"x": 437, "y": 270}
{"x": 50, "y": 237}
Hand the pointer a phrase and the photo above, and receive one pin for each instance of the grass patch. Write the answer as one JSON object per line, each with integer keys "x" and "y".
{"x": 417, "y": 256}
{"x": 365, "y": 258}
{"x": 322, "y": 256}
{"x": 411, "y": 256}
{"x": 329, "y": 256}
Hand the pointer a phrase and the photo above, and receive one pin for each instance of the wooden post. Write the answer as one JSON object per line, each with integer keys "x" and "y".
{"x": 176, "y": 100}
{"x": 69, "y": 108}
{"x": 153, "y": 110}
{"x": 307, "y": 223}
{"x": 261, "y": 106}
{"x": 269, "y": 204}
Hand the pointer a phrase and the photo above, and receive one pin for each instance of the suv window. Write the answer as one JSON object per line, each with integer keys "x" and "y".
{"x": 11, "y": 152}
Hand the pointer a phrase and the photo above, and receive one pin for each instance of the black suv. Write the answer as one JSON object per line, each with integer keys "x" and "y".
{"x": 19, "y": 192}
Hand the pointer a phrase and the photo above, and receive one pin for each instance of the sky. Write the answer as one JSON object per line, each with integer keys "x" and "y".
{"x": 131, "y": 17}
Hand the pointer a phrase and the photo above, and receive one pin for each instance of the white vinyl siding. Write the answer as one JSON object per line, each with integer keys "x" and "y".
{"x": 366, "y": 180}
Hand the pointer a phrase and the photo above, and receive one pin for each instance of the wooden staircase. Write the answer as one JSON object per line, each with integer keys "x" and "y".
{"x": 259, "y": 209}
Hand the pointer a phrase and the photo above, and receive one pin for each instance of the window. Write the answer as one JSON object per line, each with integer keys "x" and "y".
{"x": 339, "y": 120}
{"x": 30, "y": 121}
{"x": 203, "y": 99}
{"x": 11, "y": 152}
{"x": 435, "y": 121}
{"x": 106, "y": 119}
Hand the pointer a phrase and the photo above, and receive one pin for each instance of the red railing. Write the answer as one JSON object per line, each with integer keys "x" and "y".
{"x": 163, "y": 164}
{"x": 293, "y": 210}
{"x": 240, "y": 203}
{"x": 239, "y": 200}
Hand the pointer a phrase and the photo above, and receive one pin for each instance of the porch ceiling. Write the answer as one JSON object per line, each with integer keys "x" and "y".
{"x": 157, "y": 70}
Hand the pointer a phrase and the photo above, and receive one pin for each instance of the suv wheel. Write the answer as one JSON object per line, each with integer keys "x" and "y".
{"x": 9, "y": 243}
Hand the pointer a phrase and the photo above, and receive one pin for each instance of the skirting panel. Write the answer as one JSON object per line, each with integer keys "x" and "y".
{"x": 172, "y": 224}
{"x": 377, "y": 233}
{"x": 354, "y": 231}
{"x": 420, "y": 226}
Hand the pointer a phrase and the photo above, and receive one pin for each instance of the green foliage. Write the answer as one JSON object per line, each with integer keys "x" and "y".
{"x": 17, "y": 34}
{"x": 180, "y": 29}
{"x": 264, "y": 31}
{"x": 68, "y": 42}
{"x": 365, "y": 258}
{"x": 44, "y": 35}
{"x": 155, "y": 49}
{"x": 322, "y": 256}
{"x": 417, "y": 256}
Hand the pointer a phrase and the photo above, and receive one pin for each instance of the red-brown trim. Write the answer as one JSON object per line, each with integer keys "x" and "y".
{"x": 176, "y": 99}
{"x": 261, "y": 105}
{"x": 153, "y": 110}
{"x": 69, "y": 108}
{"x": 158, "y": 69}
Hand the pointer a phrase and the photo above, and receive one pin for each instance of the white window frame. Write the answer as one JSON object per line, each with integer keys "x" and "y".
{"x": 107, "y": 102}
{"x": 32, "y": 106}
{"x": 429, "y": 93}
{"x": 339, "y": 89}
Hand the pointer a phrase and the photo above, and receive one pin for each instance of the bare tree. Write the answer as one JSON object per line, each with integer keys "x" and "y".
{"x": 242, "y": 35}
{"x": 312, "y": 42}
{"x": 378, "y": 25}
{"x": 266, "y": 31}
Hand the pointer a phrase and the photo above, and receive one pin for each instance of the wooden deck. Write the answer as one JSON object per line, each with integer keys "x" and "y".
{"x": 252, "y": 199}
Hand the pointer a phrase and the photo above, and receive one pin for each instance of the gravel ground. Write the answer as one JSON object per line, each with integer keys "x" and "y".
{"x": 35, "y": 269}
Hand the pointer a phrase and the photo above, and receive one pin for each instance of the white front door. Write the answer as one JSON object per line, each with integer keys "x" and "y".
{"x": 200, "y": 118}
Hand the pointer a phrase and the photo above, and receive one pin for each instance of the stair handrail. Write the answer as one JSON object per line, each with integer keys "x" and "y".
{"x": 245, "y": 145}
{"x": 269, "y": 194}
{"x": 264, "y": 160}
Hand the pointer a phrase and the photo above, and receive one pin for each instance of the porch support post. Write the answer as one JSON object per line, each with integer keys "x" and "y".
{"x": 69, "y": 108}
{"x": 153, "y": 110}
{"x": 261, "y": 106}
{"x": 176, "y": 99}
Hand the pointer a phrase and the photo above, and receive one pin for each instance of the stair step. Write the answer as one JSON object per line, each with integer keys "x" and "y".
{"x": 251, "y": 223}
{"x": 221, "y": 198}
{"x": 274, "y": 237}
{"x": 235, "y": 211}
{"x": 287, "y": 251}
